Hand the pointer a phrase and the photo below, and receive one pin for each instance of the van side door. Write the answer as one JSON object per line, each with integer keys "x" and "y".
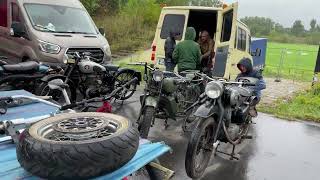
{"x": 170, "y": 20}
{"x": 225, "y": 40}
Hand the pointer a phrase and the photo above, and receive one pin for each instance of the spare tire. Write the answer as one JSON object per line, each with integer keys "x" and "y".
{"x": 77, "y": 145}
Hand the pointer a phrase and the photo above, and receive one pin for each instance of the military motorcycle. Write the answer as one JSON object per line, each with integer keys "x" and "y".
{"x": 91, "y": 79}
{"x": 222, "y": 116}
{"x": 166, "y": 95}
{"x": 25, "y": 75}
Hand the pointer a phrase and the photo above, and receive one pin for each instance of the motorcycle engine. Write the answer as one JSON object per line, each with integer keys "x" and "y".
{"x": 93, "y": 85}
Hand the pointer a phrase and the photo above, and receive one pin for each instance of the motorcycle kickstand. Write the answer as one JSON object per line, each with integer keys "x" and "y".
{"x": 166, "y": 125}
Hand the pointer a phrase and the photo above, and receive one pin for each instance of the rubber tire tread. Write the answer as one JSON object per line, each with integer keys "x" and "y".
{"x": 76, "y": 161}
{"x": 192, "y": 148}
{"x": 145, "y": 124}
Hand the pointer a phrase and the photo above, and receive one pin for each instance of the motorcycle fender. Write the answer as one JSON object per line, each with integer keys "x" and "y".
{"x": 53, "y": 76}
{"x": 168, "y": 104}
{"x": 205, "y": 111}
{"x": 135, "y": 73}
{"x": 151, "y": 101}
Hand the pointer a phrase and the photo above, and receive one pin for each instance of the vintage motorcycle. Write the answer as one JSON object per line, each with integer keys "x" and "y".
{"x": 166, "y": 95}
{"x": 91, "y": 79}
{"x": 25, "y": 75}
{"x": 223, "y": 116}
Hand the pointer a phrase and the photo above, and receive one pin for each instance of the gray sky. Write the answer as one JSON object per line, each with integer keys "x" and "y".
{"x": 282, "y": 11}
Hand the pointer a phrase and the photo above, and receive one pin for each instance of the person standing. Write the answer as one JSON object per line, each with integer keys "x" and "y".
{"x": 207, "y": 50}
{"x": 169, "y": 47}
{"x": 187, "y": 53}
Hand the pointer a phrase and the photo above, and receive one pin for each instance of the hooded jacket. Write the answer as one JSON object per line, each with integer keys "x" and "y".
{"x": 252, "y": 73}
{"x": 169, "y": 46}
{"x": 187, "y": 53}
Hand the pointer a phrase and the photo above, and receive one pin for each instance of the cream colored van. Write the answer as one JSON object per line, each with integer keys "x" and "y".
{"x": 47, "y": 30}
{"x": 232, "y": 37}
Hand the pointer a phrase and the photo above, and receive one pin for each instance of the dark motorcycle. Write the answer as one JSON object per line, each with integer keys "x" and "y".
{"x": 223, "y": 116}
{"x": 166, "y": 95}
{"x": 91, "y": 79}
{"x": 25, "y": 75}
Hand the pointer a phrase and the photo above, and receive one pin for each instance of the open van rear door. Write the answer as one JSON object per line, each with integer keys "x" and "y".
{"x": 170, "y": 19}
{"x": 225, "y": 40}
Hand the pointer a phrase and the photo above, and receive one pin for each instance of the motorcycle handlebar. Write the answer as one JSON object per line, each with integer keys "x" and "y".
{"x": 105, "y": 98}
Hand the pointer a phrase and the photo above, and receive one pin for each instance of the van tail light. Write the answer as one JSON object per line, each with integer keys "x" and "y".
{"x": 153, "y": 53}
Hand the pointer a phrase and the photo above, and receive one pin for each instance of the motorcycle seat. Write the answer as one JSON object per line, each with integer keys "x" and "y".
{"x": 111, "y": 67}
{"x": 24, "y": 67}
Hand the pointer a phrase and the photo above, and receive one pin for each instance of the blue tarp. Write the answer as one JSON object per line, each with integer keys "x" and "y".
{"x": 26, "y": 111}
{"x": 11, "y": 169}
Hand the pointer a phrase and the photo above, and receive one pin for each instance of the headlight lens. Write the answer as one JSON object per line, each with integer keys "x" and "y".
{"x": 49, "y": 47}
{"x": 157, "y": 76}
{"x": 214, "y": 89}
{"x": 107, "y": 49}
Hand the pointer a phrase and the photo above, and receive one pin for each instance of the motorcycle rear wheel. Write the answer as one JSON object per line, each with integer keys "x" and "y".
{"x": 77, "y": 145}
{"x": 200, "y": 144}
{"x": 121, "y": 79}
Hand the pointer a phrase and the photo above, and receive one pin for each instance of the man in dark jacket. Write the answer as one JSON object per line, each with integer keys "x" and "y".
{"x": 246, "y": 68}
{"x": 187, "y": 53}
{"x": 169, "y": 47}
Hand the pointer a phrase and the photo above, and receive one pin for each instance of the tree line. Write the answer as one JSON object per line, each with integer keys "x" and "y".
{"x": 297, "y": 33}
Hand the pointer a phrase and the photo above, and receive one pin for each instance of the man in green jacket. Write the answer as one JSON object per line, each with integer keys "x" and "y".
{"x": 187, "y": 53}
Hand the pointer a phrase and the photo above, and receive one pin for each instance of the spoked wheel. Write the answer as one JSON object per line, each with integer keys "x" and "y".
{"x": 146, "y": 120}
{"x": 200, "y": 148}
{"x": 189, "y": 119}
{"x": 128, "y": 91}
{"x": 77, "y": 146}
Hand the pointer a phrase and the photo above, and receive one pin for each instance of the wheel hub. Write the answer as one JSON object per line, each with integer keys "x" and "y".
{"x": 80, "y": 125}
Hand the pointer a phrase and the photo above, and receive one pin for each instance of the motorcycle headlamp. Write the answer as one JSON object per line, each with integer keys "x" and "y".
{"x": 214, "y": 89}
{"x": 49, "y": 47}
{"x": 157, "y": 76}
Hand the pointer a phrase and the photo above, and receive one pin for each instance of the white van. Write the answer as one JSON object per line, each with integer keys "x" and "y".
{"x": 47, "y": 30}
{"x": 232, "y": 37}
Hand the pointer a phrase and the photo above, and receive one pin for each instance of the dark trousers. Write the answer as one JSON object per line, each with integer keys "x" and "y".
{"x": 169, "y": 66}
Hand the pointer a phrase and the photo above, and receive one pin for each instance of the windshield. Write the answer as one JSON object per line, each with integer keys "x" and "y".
{"x": 59, "y": 19}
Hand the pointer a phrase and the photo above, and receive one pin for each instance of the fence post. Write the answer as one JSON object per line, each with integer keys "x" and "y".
{"x": 278, "y": 78}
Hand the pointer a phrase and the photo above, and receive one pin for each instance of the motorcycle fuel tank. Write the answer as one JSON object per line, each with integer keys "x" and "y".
{"x": 89, "y": 67}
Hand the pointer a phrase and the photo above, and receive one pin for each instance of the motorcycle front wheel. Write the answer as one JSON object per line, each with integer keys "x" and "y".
{"x": 145, "y": 121}
{"x": 200, "y": 148}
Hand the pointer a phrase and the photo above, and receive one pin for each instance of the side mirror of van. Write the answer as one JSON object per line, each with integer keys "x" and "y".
{"x": 17, "y": 30}
{"x": 101, "y": 30}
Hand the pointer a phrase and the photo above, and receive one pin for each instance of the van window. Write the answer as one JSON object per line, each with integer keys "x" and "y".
{"x": 3, "y": 13}
{"x": 242, "y": 39}
{"x": 172, "y": 22}
{"x": 227, "y": 26}
{"x": 15, "y": 13}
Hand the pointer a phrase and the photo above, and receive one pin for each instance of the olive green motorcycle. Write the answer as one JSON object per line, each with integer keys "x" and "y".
{"x": 166, "y": 96}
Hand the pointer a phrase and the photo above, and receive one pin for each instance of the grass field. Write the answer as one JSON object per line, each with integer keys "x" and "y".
{"x": 298, "y": 62}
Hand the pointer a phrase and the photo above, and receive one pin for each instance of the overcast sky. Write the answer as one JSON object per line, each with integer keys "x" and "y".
{"x": 282, "y": 11}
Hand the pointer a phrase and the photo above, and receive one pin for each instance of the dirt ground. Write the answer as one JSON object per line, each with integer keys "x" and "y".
{"x": 284, "y": 89}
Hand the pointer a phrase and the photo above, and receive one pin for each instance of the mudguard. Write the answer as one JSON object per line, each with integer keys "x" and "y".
{"x": 53, "y": 76}
{"x": 169, "y": 105}
{"x": 205, "y": 111}
{"x": 150, "y": 101}
{"x": 131, "y": 71}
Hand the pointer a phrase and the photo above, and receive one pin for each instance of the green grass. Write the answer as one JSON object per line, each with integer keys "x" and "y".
{"x": 295, "y": 65}
{"x": 305, "y": 106}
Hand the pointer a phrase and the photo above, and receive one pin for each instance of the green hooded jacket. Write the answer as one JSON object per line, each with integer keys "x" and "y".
{"x": 187, "y": 53}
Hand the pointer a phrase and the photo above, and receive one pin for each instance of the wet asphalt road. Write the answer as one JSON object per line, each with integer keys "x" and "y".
{"x": 280, "y": 149}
